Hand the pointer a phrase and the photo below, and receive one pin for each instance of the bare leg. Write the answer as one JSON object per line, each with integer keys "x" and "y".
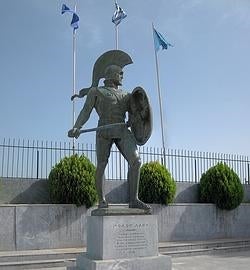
{"x": 103, "y": 147}
{"x": 99, "y": 178}
{"x": 128, "y": 148}
{"x": 133, "y": 180}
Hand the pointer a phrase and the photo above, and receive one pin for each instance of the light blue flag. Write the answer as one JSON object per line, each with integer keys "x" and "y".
{"x": 160, "y": 41}
{"x": 75, "y": 18}
{"x": 119, "y": 15}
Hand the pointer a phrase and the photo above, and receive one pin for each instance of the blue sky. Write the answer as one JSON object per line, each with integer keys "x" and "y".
{"x": 204, "y": 77}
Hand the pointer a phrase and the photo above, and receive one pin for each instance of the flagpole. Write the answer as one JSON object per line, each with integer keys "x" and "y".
{"x": 116, "y": 37}
{"x": 116, "y": 32}
{"x": 74, "y": 81}
{"x": 116, "y": 47}
{"x": 160, "y": 102}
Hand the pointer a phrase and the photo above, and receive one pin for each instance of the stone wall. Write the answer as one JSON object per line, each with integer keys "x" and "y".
{"x": 202, "y": 222}
{"x": 44, "y": 226}
{"x": 23, "y": 191}
{"x": 24, "y": 227}
{"x": 28, "y": 191}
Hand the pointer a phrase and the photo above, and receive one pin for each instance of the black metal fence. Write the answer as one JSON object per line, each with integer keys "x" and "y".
{"x": 34, "y": 159}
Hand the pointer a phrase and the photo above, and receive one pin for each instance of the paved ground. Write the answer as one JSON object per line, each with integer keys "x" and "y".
{"x": 228, "y": 261}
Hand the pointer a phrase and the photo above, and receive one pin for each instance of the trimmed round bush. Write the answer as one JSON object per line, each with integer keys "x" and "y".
{"x": 222, "y": 186}
{"x": 72, "y": 181}
{"x": 156, "y": 184}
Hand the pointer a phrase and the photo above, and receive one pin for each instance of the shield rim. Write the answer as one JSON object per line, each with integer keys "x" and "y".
{"x": 146, "y": 138}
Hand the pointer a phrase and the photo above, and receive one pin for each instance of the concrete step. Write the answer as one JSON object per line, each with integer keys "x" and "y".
{"x": 43, "y": 254}
{"x": 39, "y": 259}
{"x": 54, "y": 268}
{"x": 194, "y": 252}
{"x": 38, "y": 264}
{"x": 177, "y": 249}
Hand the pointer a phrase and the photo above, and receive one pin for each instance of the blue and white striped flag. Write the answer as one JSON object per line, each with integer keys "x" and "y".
{"x": 119, "y": 15}
{"x": 160, "y": 41}
{"x": 75, "y": 19}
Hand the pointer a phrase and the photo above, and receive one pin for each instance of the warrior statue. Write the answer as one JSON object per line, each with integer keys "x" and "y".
{"x": 111, "y": 104}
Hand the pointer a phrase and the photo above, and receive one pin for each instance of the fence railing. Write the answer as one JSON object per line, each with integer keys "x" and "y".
{"x": 34, "y": 159}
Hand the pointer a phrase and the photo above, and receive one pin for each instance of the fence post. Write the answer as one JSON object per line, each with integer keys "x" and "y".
{"x": 248, "y": 173}
{"x": 120, "y": 165}
{"x": 195, "y": 171}
{"x": 37, "y": 164}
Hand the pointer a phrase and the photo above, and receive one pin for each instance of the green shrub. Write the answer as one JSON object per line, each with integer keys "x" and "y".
{"x": 72, "y": 180}
{"x": 222, "y": 186}
{"x": 156, "y": 184}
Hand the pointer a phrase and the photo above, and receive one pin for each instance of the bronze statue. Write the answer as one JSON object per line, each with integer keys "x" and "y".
{"x": 111, "y": 104}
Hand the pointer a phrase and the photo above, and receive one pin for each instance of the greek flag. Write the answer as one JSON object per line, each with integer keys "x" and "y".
{"x": 75, "y": 19}
{"x": 119, "y": 15}
{"x": 160, "y": 41}
{"x": 66, "y": 9}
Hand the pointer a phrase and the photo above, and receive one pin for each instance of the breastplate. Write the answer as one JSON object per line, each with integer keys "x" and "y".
{"x": 111, "y": 105}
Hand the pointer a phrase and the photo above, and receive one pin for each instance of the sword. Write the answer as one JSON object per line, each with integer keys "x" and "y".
{"x": 103, "y": 127}
{"x": 71, "y": 134}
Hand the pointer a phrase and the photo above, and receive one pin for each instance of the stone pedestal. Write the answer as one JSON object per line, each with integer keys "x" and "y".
{"x": 160, "y": 262}
{"x": 127, "y": 242}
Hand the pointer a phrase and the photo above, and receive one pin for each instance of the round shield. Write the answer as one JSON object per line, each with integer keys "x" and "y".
{"x": 140, "y": 116}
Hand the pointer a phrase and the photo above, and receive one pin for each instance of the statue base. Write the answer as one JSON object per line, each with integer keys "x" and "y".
{"x": 122, "y": 242}
{"x": 160, "y": 262}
